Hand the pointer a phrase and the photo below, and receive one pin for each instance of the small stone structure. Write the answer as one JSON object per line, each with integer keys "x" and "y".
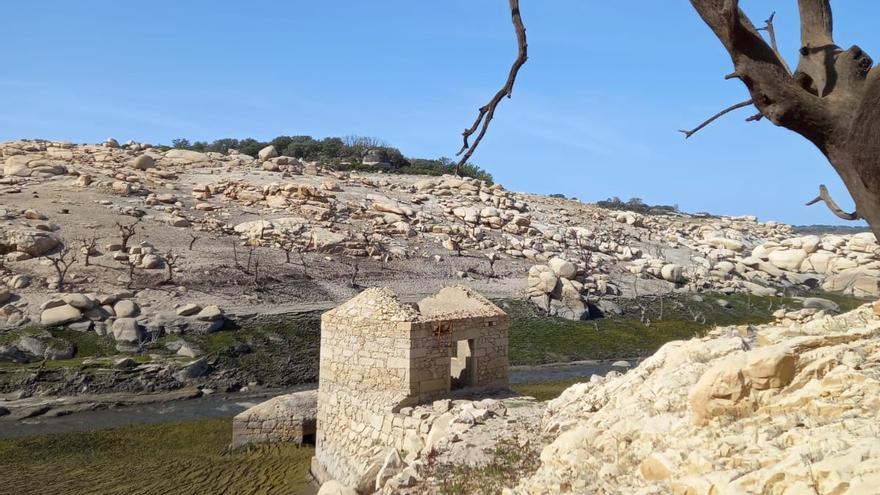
{"x": 286, "y": 418}
{"x": 379, "y": 355}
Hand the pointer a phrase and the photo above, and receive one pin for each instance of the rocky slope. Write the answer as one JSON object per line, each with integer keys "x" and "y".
{"x": 784, "y": 408}
{"x": 776, "y": 409}
{"x": 180, "y": 242}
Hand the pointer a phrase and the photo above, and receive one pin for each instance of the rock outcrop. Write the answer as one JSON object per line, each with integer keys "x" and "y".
{"x": 770, "y": 409}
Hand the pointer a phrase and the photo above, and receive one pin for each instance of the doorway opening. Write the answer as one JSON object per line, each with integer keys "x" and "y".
{"x": 462, "y": 365}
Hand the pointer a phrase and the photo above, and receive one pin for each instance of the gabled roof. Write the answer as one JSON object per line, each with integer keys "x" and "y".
{"x": 375, "y": 304}
{"x": 457, "y": 302}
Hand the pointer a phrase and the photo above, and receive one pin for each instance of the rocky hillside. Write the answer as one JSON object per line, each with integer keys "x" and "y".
{"x": 783, "y": 408}
{"x": 180, "y": 242}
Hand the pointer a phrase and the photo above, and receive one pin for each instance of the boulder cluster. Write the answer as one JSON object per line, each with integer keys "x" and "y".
{"x": 789, "y": 407}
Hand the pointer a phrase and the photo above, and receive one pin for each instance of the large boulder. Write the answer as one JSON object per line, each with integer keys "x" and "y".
{"x": 59, "y": 349}
{"x": 33, "y": 242}
{"x": 334, "y": 487}
{"x": 563, "y": 268}
{"x": 127, "y": 331}
{"x": 143, "y": 162}
{"x": 79, "y": 301}
{"x": 787, "y": 259}
{"x": 267, "y": 153}
{"x": 254, "y": 229}
{"x": 327, "y": 241}
{"x": 210, "y": 313}
{"x": 59, "y": 315}
{"x": 126, "y": 308}
{"x": 860, "y": 282}
{"x": 541, "y": 280}
{"x": 31, "y": 345}
{"x": 672, "y": 273}
{"x": 820, "y": 303}
{"x": 185, "y": 157}
{"x": 17, "y": 165}
{"x": 192, "y": 370}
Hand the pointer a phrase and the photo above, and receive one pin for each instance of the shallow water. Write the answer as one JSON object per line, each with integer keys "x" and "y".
{"x": 227, "y": 405}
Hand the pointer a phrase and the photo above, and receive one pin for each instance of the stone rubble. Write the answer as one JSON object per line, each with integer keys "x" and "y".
{"x": 790, "y": 407}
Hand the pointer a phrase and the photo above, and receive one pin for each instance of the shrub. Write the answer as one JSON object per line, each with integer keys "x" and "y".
{"x": 344, "y": 153}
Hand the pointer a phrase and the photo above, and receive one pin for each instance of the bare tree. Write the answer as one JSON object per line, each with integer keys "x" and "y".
{"x": 492, "y": 257}
{"x": 87, "y": 248}
{"x": 355, "y": 269}
{"x": 171, "y": 259}
{"x": 256, "y": 267}
{"x": 126, "y": 232}
{"x": 61, "y": 261}
{"x": 192, "y": 240}
{"x": 130, "y": 266}
{"x": 287, "y": 245}
{"x": 487, "y": 112}
{"x": 832, "y": 98}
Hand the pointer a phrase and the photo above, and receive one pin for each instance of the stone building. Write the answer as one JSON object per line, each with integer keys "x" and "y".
{"x": 379, "y": 356}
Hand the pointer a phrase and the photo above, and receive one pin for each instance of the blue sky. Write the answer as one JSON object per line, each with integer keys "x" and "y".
{"x": 594, "y": 113}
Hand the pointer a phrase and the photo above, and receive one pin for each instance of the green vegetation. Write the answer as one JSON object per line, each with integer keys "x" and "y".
{"x": 508, "y": 463}
{"x": 545, "y": 390}
{"x": 345, "y": 153}
{"x": 536, "y": 339}
{"x": 273, "y": 353}
{"x": 636, "y": 205}
{"x": 284, "y": 353}
{"x": 180, "y": 458}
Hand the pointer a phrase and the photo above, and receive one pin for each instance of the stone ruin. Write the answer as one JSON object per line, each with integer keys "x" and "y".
{"x": 379, "y": 356}
{"x": 286, "y": 418}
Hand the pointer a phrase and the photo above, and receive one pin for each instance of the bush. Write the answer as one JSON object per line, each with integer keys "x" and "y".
{"x": 636, "y": 205}
{"x": 339, "y": 154}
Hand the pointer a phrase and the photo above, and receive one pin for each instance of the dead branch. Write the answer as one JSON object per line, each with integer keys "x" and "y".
{"x": 715, "y": 117}
{"x": 487, "y": 112}
{"x": 61, "y": 263}
{"x": 128, "y": 263}
{"x": 492, "y": 257}
{"x": 171, "y": 260}
{"x": 192, "y": 240}
{"x": 126, "y": 232}
{"x": 825, "y": 197}
{"x": 355, "y": 269}
{"x": 87, "y": 248}
{"x": 771, "y": 32}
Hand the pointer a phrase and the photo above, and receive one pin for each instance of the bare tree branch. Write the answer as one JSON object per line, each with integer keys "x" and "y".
{"x": 488, "y": 112}
{"x": 816, "y": 23}
{"x": 776, "y": 92}
{"x": 771, "y": 32}
{"x": 825, "y": 197}
{"x": 715, "y": 117}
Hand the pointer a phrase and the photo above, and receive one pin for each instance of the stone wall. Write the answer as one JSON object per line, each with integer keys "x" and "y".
{"x": 379, "y": 356}
{"x": 286, "y": 418}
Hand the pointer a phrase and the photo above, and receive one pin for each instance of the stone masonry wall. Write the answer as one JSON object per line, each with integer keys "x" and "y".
{"x": 364, "y": 373}
{"x": 378, "y": 357}
{"x": 286, "y": 418}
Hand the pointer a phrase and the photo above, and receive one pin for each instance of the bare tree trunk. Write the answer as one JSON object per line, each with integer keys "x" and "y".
{"x": 859, "y": 167}
{"x": 832, "y": 98}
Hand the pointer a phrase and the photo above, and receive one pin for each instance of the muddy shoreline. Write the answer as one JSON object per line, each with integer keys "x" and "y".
{"x": 40, "y": 416}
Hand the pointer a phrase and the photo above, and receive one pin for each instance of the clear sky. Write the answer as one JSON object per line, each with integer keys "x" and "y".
{"x": 594, "y": 113}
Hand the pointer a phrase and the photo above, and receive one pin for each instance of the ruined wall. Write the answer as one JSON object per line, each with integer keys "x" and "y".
{"x": 364, "y": 373}
{"x": 286, "y": 418}
{"x": 432, "y": 354}
{"x": 379, "y": 356}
